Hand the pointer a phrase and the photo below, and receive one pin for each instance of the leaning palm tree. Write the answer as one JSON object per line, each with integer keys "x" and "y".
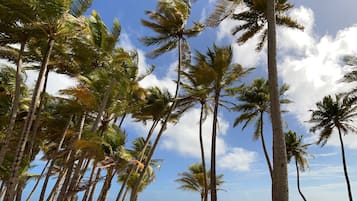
{"x": 193, "y": 180}
{"x": 254, "y": 103}
{"x": 297, "y": 150}
{"x": 55, "y": 21}
{"x": 218, "y": 61}
{"x": 335, "y": 113}
{"x": 169, "y": 22}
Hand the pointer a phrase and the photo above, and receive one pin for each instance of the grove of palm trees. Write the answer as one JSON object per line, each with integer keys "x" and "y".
{"x": 86, "y": 115}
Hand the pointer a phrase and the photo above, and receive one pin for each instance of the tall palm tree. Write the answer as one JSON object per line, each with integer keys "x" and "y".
{"x": 169, "y": 22}
{"x": 224, "y": 74}
{"x": 297, "y": 150}
{"x": 254, "y": 102}
{"x": 336, "y": 113}
{"x": 193, "y": 180}
{"x": 197, "y": 90}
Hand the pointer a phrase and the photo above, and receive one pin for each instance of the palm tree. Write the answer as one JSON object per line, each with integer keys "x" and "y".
{"x": 224, "y": 9}
{"x": 169, "y": 22}
{"x": 224, "y": 75}
{"x": 56, "y": 23}
{"x": 295, "y": 149}
{"x": 254, "y": 102}
{"x": 198, "y": 91}
{"x": 193, "y": 180}
{"x": 255, "y": 20}
{"x": 336, "y": 113}
{"x": 16, "y": 28}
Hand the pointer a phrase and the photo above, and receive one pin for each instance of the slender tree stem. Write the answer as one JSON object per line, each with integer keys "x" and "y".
{"x": 10, "y": 193}
{"x": 205, "y": 194}
{"x": 15, "y": 104}
{"x": 266, "y": 155}
{"x": 213, "y": 145}
{"x": 298, "y": 180}
{"x": 345, "y": 166}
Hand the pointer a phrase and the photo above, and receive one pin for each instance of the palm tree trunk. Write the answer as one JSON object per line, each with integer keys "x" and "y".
{"x": 280, "y": 188}
{"x": 86, "y": 193}
{"x": 124, "y": 183}
{"x": 10, "y": 193}
{"x": 125, "y": 194}
{"x": 121, "y": 120}
{"x": 345, "y": 166}
{"x": 38, "y": 119}
{"x": 38, "y": 180}
{"x": 15, "y": 104}
{"x": 56, "y": 186}
{"x": 141, "y": 157}
{"x": 91, "y": 194}
{"x": 107, "y": 184}
{"x": 213, "y": 146}
{"x": 205, "y": 195}
{"x": 48, "y": 175}
{"x": 267, "y": 158}
{"x": 19, "y": 191}
{"x": 298, "y": 180}
{"x": 73, "y": 183}
{"x": 103, "y": 105}
{"x": 135, "y": 190}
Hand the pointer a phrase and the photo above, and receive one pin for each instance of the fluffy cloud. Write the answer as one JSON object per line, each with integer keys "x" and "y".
{"x": 184, "y": 137}
{"x": 237, "y": 159}
{"x": 310, "y": 64}
{"x": 313, "y": 68}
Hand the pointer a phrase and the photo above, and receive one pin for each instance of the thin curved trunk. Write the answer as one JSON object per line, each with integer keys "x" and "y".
{"x": 53, "y": 192}
{"x": 48, "y": 175}
{"x": 298, "y": 180}
{"x": 63, "y": 192}
{"x": 121, "y": 120}
{"x": 91, "y": 194}
{"x": 74, "y": 180}
{"x": 213, "y": 146}
{"x": 345, "y": 166}
{"x": 10, "y": 193}
{"x": 280, "y": 188}
{"x": 205, "y": 195}
{"x": 15, "y": 104}
{"x": 38, "y": 119}
{"x": 86, "y": 193}
{"x": 125, "y": 194}
{"x": 135, "y": 190}
{"x": 38, "y": 180}
{"x": 103, "y": 105}
{"x": 107, "y": 184}
{"x": 124, "y": 184}
{"x": 267, "y": 158}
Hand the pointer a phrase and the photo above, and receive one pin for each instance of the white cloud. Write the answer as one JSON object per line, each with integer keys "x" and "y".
{"x": 183, "y": 137}
{"x": 317, "y": 69}
{"x": 237, "y": 159}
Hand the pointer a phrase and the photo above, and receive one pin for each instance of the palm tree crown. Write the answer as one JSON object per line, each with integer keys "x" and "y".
{"x": 334, "y": 113}
{"x": 255, "y": 20}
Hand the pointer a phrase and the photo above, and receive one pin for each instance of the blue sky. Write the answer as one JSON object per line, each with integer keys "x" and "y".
{"x": 308, "y": 61}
